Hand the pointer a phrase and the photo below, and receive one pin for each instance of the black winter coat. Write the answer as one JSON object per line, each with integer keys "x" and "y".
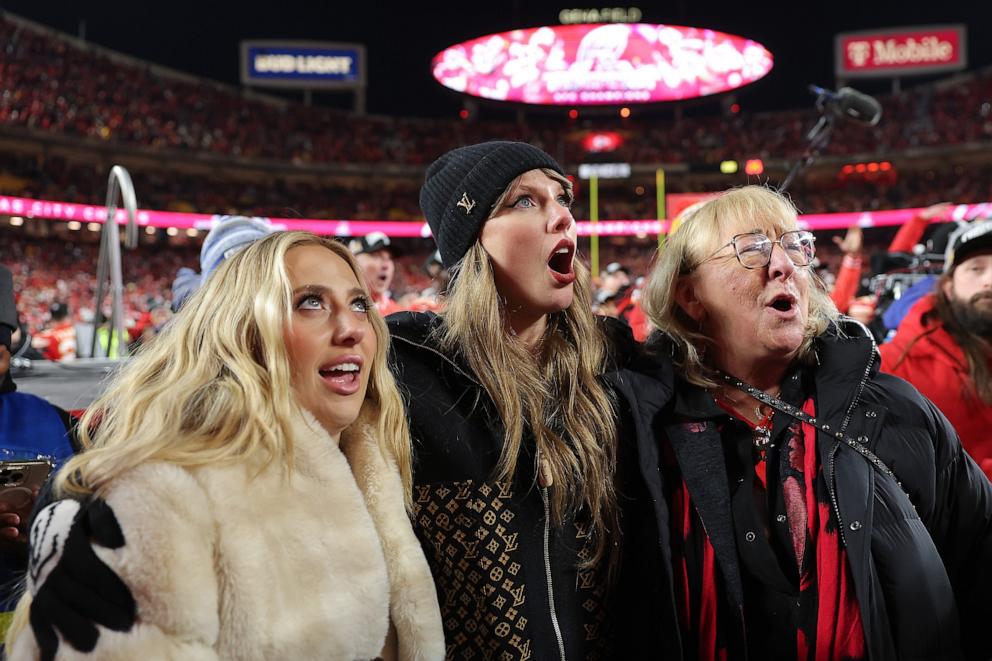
{"x": 507, "y": 579}
{"x": 922, "y": 564}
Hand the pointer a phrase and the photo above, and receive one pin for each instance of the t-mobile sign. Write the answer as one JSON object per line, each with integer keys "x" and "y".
{"x": 901, "y": 51}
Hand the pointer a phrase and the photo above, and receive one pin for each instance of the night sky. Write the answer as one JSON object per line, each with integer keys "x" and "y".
{"x": 202, "y": 37}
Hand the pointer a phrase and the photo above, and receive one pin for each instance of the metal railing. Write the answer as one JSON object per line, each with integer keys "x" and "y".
{"x": 109, "y": 263}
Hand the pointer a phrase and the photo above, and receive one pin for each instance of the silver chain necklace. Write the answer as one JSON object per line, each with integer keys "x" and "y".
{"x": 802, "y": 416}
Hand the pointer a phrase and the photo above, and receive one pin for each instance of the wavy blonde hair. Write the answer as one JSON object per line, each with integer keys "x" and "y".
{"x": 558, "y": 397}
{"x": 215, "y": 386}
{"x": 698, "y": 237}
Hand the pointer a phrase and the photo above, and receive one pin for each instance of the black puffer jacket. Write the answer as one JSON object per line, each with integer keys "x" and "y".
{"x": 507, "y": 580}
{"x": 922, "y": 565}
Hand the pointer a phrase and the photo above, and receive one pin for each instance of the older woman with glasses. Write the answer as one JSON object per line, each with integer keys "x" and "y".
{"x": 818, "y": 509}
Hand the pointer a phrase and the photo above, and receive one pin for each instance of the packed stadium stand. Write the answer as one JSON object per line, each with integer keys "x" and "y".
{"x": 69, "y": 110}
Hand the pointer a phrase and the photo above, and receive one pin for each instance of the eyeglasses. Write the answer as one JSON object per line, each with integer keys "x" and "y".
{"x": 754, "y": 249}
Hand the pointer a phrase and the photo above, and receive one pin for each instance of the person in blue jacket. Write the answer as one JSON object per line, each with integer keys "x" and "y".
{"x": 30, "y": 428}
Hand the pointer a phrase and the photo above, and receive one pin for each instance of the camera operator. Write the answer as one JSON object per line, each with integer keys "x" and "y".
{"x": 944, "y": 344}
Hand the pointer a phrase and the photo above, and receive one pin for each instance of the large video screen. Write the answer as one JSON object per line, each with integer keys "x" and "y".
{"x": 619, "y": 63}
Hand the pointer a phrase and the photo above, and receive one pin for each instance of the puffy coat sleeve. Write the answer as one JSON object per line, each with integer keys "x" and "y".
{"x": 163, "y": 553}
{"x": 961, "y": 526}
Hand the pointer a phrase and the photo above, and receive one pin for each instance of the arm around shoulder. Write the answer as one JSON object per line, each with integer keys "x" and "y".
{"x": 129, "y": 577}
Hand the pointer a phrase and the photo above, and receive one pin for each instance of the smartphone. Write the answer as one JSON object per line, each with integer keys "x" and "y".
{"x": 20, "y": 479}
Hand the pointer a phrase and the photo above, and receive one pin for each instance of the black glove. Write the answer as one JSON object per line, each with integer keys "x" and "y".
{"x": 79, "y": 591}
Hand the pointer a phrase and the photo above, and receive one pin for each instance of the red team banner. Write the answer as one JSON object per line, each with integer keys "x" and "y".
{"x": 900, "y": 51}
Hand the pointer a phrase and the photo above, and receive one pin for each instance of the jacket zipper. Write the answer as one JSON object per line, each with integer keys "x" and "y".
{"x": 544, "y": 481}
{"x": 861, "y": 388}
{"x": 832, "y": 488}
{"x": 547, "y": 570}
{"x": 832, "y": 482}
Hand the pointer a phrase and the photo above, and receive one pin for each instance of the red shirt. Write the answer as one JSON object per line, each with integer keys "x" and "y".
{"x": 632, "y": 313}
{"x": 927, "y": 356}
{"x": 58, "y": 343}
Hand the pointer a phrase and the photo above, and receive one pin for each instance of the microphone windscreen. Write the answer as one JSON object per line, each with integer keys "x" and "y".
{"x": 858, "y": 106}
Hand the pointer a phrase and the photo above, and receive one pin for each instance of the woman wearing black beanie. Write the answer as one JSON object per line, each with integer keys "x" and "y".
{"x": 514, "y": 429}
{"x": 540, "y": 532}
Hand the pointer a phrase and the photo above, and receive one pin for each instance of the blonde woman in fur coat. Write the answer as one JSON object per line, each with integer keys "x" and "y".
{"x": 247, "y": 479}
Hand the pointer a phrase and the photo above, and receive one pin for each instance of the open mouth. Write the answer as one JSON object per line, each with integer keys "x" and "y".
{"x": 560, "y": 260}
{"x": 783, "y": 303}
{"x": 342, "y": 375}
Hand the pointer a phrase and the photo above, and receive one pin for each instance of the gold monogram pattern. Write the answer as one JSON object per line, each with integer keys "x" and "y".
{"x": 480, "y": 585}
{"x": 471, "y": 543}
{"x": 591, "y": 593}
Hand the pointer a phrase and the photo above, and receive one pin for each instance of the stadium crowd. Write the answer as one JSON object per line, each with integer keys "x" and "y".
{"x": 59, "y": 85}
{"x": 391, "y": 484}
{"x": 55, "y": 178}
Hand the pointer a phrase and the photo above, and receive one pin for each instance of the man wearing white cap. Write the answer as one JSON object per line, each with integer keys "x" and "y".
{"x": 375, "y": 253}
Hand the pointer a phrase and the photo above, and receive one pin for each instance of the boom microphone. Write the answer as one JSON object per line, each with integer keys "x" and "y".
{"x": 850, "y": 103}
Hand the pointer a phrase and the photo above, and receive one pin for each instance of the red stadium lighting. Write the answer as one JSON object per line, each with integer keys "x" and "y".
{"x": 885, "y": 166}
{"x": 873, "y": 167}
{"x": 625, "y": 112}
{"x": 602, "y": 141}
{"x": 860, "y": 168}
{"x": 847, "y": 169}
{"x": 735, "y": 108}
{"x": 601, "y": 64}
{"x": 754, "y": 166}
{"x": 573, "y": 114}
{"x": 463, "y": 113}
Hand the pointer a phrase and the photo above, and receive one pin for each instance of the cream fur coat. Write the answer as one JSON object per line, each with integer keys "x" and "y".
{"x": 224, "y": 565}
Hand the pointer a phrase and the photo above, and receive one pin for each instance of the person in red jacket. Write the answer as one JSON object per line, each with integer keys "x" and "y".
{"x": 944, "y": 344}
{"x": 58, "y": 342}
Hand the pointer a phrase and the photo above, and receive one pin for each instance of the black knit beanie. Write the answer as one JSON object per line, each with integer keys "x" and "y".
{"x": 461, "y": 187}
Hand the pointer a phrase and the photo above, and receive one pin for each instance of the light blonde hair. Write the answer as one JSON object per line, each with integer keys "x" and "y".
{"x": 745, "y": 209}
{"x": 557, "y": 397}
{"x": 215, "y": 386}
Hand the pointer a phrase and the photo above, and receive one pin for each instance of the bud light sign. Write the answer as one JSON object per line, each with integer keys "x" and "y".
{"x": 302, "y": 65}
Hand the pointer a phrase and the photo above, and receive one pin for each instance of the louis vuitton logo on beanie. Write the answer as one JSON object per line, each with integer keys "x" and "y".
{"x": 470, "y": 178}
{"x": 467, "y": 203}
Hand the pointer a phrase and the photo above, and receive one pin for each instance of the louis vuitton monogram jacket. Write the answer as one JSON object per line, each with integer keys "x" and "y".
{"x": 507, "y": 580}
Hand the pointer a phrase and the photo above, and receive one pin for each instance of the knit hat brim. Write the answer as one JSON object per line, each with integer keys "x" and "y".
{"x": 461, "y": 187}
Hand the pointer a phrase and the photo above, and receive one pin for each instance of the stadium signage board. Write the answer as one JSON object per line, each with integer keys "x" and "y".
{"x": 895, "y": 52}
{"x": 303, "y": 64}
{"x": 604, "y": 170}
{"x": 585, "y": 64}
{"x": 604, "y": 15}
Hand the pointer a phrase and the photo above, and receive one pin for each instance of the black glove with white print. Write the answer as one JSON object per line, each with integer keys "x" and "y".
{"x": 73, "y": 590}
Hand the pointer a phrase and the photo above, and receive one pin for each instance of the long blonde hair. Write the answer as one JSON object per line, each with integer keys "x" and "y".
{"x": 215, "y": 386}
{"x": 754, "y": 207}
{"x": 558, "y": 397}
